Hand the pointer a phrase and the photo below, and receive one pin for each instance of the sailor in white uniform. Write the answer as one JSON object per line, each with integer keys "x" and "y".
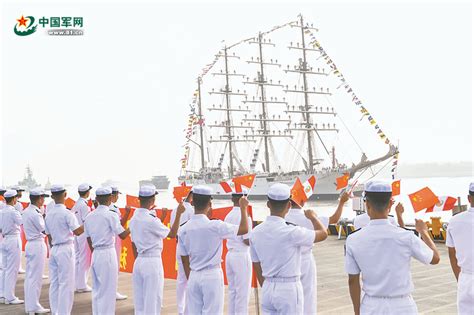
{"x": 35, "y": 251}
{"x": 363, "y": 219}
{"x": 181, "y": 280}
{"x": 81, "y": 210}
{"x": 19, "y": 207}
{"x": 308, "y": 264}
{"x": 61, "y": 226}
{"x": 200, "y": 248}
{"x": 461, "y": 254}
{"x": 2, "y": 204}
{"x": 238, "y": 263}
{"x": 101, "y": 227}
{"x": 382, "y": 252}
{"x": 118, "y": 241}
{"x": 10, "y": 226}
{"x": 147, "y": 233}
{"x": 275, "y": 248}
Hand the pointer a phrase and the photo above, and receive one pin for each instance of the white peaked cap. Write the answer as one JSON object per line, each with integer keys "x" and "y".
{"x": 378, "y": 186}
{"x": 84, "y": 187}
{"x": 103, "y": 191}
{"x": 147, "y": 191}
{"x": 38, "y": 191}
{"x": 202, "y": 190}
{"x": 57, "y": 188}
{"x": 10, "y": 193}
{"x": 279, "y": 192}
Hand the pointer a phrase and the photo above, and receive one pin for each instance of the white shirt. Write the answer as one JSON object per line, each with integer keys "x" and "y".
{"x": 147, "y": 232}
{"x": 33, "y": 223}
{"x": 49, "y": 206}
{"x": 460, "y": 236}
{"x": 19, "y": 207}
{"x": 201, "y": 240}
{"x": 277, "y": 245}
{"x": 363, "y": 220}
{"x": 102, "y": 225}
{"x": 383, "y": 252}
{"x": 115, "y": 209}
{"x": 60, "y": 223}
{"x": 237, "y": 241}
{"x": 297, "y": 217}
{"x": 185, "y": 216}
{"x": 81, "y": 210}
{"x": 11, "y": 221}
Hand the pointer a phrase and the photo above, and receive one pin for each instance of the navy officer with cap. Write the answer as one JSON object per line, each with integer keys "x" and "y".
{"x": 382, "y": 252}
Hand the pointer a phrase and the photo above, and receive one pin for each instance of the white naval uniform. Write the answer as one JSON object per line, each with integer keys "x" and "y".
{"x": 19, "y": 208}
{"x": 460, "y": 235}
{"x": 60, "y": 224}
{"x": 201, "y": 240}
{"x": 11, "y": 250}
{"x": 35, "y": 253}
{"x": 2, "y": 205}
{"x": 238, "y": 267}
{"x": 102, "y": 226}
{"x": 82, "y": 250}
{"x": 181, "y": 280}
{"x": 277, "y": 246}
{"x": 382, "y": 253}
{"x": 309, "y": 279}
{"x": 118, "y": 240}
{"x": 147, "y": 233}
{"x": 363, "y": 220}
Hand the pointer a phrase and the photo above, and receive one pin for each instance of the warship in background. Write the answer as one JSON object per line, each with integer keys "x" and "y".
{"x": 28, "y": 182}
{"x": 161, "y": 182}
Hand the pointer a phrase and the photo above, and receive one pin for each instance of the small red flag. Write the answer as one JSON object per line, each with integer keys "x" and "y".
{"x": 245, "y": 180}
{"x": 422, "y": 199}
{"x": 446, "y": 203}
{"x": 342, "y": 182}
{"x": 298, "y": 193}
{"x": 69, "y": 203}
{"x": 227, "y": 186}
{"x": 132, "y": 201}
{"x": 396, "y": 188}
{"x": 181, "y": 192}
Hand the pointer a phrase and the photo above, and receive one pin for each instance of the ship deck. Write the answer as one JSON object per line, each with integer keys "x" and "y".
{"x": 435, "y": 287}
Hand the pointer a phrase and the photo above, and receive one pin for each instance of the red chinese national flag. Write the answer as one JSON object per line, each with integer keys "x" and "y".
{"x": 69, "y": 203}
{"x": 1, "y": 198}
{"x": 423, "y": 199}
{"x": 245, "y": 180}
{"x": 446, "y": 203}
{"x": 132, "y": 201}
{"x": 298, "y": 193}
{"x": 342, "y": 182}
{"x": 181, "y": 192}
{"x": 396, "y": 188}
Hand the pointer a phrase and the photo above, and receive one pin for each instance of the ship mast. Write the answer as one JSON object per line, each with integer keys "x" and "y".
{"x": 262, "y": 82}
{"x": 201, "y": 123}
{"x": 229, "y": 138}
{"x": 307, "y": 109}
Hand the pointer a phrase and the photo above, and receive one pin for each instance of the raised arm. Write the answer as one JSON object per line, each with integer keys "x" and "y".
{"x": 243, "y": 226}
{"x": 422, "y": 228}
{"x": 337, "y": 214}
{"x": 174, "y": 228}
{"x": 125, "y": 217}
{"x": 321, "y": 233}
{"x": 399, "y": 209}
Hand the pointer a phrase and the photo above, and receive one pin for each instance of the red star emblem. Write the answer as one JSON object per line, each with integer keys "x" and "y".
{"x": 22, "y": 21}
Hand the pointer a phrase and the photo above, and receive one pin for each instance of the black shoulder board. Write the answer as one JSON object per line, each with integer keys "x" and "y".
{"x": 353, "y": 232}
{"x": 390, "y": 215}
{"x": 410, "y": 230}
{"x": 183, "y": 223}
{"x": 38, "y": 211}
{"x": 289, "y": 223}
{"x": 152, "y": 215}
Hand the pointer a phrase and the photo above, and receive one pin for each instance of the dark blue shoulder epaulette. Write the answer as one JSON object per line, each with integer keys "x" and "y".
{"x": 289, "y": 223}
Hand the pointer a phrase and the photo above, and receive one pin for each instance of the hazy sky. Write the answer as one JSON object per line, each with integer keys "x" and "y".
{"x": 112, "y": 104}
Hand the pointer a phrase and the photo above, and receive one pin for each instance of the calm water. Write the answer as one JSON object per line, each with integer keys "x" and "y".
{"x": 442, "y": 186}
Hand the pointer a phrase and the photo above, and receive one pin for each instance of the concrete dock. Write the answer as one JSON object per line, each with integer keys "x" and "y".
{"x": 435, "y": 287}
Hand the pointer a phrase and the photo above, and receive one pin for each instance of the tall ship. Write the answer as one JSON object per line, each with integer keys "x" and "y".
{"x": 277, "y": 106}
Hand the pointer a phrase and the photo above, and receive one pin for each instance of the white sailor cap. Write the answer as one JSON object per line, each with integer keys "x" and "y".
{"x": 57, "y": 188}
{"x": 2, "y": 188}
{"x": 115, "y": 190}
{"x": 84, "y": 187}
{"x": 471, "y": 187}
{"x": 279, "y": 192}
{"x": 103, "y": 191}
{"x": 244, "y": 192}
{"x": 18, "y": 188}
{"x": 377, "y": 186}
{"x": 10, "y": 193}
{"x": 147, "y": 191}
{"x": 202, "y": 190}
{"x": 38, "y": 191}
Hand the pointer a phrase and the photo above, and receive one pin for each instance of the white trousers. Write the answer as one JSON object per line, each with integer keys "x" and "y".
{"x": 104, "y": 281}
{"x": 11, "y": 264}
{"x": 282, "y": 297}
{"x": 148, "y": 282}
{"x": 61, "y": 274}
{"x": 238, "y": 267}
{"x": 466, "y": 293}
{"x": 309, "y": 284}
{"x": 205, "y": 292}
{"x": 389, "y": 306}
{"x": 35, "y": 254}
{"x": 2, "y": 273}
{"x": 118, "y": 251}
{"x": 181, "y": 283}
{"x": 83, "y": 260}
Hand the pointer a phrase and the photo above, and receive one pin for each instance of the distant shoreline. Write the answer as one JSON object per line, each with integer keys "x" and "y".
{"x": 458, "y": 169}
